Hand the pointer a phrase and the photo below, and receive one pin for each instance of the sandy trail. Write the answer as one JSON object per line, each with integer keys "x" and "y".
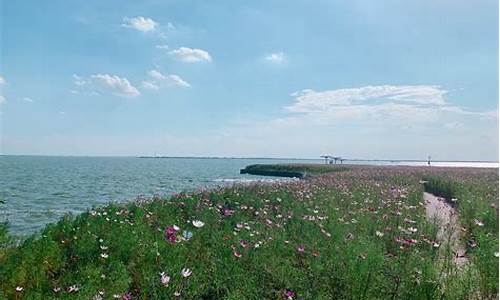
{"x": 446, "y": 217}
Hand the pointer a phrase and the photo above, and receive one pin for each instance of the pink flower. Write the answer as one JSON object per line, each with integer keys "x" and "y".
{"x": 227, "y": 212}
{"x": 243, "y": 243}
{"x": 127, "y": 296}
{"x": 289, "y": 294}
{"x": 172, "y": 238}
{"x": 170, "y": 230}
{"x": 237, "y": 254}
{"x": 301, "y": 248}
{"x": 170, "y": 233}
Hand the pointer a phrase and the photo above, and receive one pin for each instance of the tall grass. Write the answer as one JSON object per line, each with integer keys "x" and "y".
{"x": 361, "y": 234}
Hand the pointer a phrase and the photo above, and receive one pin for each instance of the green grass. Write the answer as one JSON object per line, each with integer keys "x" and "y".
{"x": 293, "y": 169}
{"x": 478, "y": 209}
{"x": 331, "y": 237}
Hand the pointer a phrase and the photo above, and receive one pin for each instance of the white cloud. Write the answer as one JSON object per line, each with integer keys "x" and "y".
{"x": 148, "y": 85}
{"x": 312, "y": 101}
{"x": 276, "y": 57}
{"x": 157, "y": 80}
{"x": 177, "y": 81}
{"x": 27, "y": 99}
{"x": 190, "y": 55}
{"x": 105, "y": 83}
{"x": 140, "y": 23}
{"x": 2, "y": 80}
{"x": 2, "y": 100}
{"x": 162, "y": 47}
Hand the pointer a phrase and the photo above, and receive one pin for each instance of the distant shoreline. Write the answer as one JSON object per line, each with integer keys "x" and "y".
{"x": 256, "y": 158}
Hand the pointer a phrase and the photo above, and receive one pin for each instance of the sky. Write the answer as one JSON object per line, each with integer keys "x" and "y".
{"x": 383, "y": 79}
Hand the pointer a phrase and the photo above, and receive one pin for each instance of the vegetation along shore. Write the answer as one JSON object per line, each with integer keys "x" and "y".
{"x": 343, "y": 232}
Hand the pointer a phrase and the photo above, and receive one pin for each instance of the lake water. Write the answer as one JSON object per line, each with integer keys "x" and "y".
{"x": 40, "y": 189}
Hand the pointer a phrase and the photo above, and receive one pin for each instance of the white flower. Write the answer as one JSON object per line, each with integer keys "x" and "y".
{"x": 19, "y": 288}
{"x": 73, "y": 288}
{"x": 496, "y": 254}
{"x": 379, "y": 234}
{"x": 177, "y": 228}
{"x": 478, "y": 223}
{"x": 186, "y": 272}
{"x": 198, "y": 223}
{"x": 177, "y": 293}
{"x": 104, "y": 255}
{"x": 164, "y": 278}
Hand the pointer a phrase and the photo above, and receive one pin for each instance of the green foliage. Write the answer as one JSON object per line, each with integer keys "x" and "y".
{"x": 342, "y": 236}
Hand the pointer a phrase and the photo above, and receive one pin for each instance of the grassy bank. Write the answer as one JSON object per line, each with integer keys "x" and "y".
{"x": 357, "y": 234}
{"x": 291, "y": 170}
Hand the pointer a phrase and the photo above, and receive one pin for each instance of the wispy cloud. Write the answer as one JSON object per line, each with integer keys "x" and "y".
{"x": 276, "y": 57}
{"x": 140, "y": 23}
{"x": 105, "y": 83}
{"x": 405, "y": 102}
{"x": 2, "y": 80}
{"x": 157, "y": 80}
{"x": 311, "y": 101}
{"x": 190, "y": 55}
{"x": 27, "y": 99}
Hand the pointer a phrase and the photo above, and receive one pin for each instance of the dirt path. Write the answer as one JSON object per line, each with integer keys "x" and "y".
{"x": 446, "y": 217}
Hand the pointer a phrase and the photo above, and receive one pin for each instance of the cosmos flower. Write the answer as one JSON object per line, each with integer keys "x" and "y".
{"x": 237, "y": 254}
{"x": 187, "y": 235}
{"x": 127, "y": 296}
{"x": 177, "y": 293}
{"x": 164, "y": 278}
{"x": 289, "y": 294}
{"x": 186, "y": 272}
{"x": 104, "y": 255}
{"x": 478, "y": 223}
{"x": 170, "y": 230}
{"x": 198, "y": 223}
{"x": 244, "y": 243}
{"x": 73, "y": 288}
{"x": 379, "y": 234}
{"x": 227, "y": 212}
{"x": 301, "y": 248}
{"x": 19, "y": 288}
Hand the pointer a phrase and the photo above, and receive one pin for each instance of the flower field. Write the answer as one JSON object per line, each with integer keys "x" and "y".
{"x": 357, "y": 234}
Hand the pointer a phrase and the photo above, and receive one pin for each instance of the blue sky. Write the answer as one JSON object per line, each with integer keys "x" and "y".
{"x": 372, "y": 79}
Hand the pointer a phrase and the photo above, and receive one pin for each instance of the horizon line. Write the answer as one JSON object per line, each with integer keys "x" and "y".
{"x": 255, "y": 157}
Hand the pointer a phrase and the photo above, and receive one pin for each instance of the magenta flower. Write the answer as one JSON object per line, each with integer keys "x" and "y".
{"x": 170, "y": 230}
{"x": 172, "y": 238}
{"x": 289, "y": 294}
{"x": 127, "y": 296}
{"x": 170, "y": 233}
{"x": 301, "y": 248}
